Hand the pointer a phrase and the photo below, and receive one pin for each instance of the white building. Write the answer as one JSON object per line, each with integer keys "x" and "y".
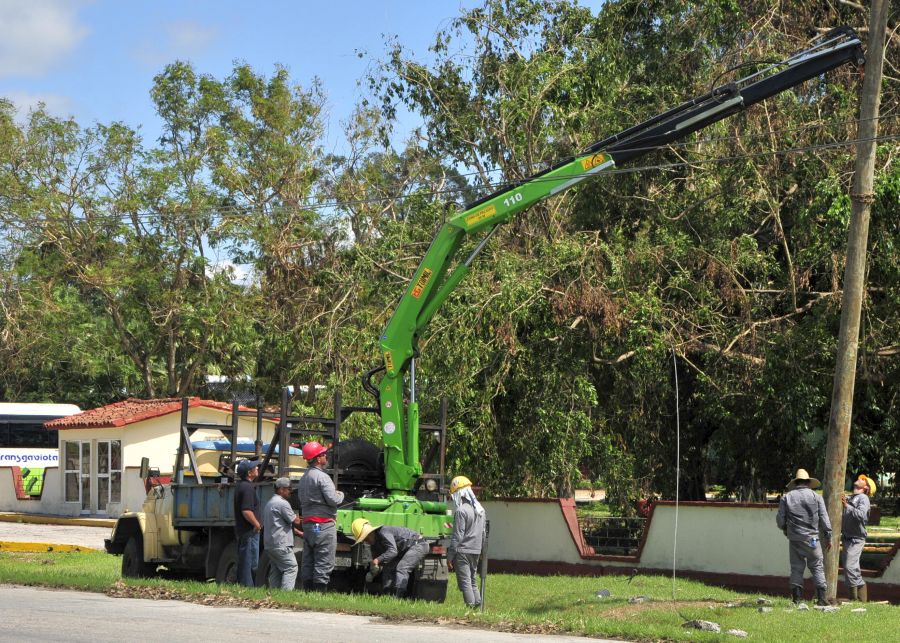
{"x": 100, "y": 451}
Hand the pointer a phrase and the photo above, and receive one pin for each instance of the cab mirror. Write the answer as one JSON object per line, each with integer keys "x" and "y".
{"x": 145, "y": 468}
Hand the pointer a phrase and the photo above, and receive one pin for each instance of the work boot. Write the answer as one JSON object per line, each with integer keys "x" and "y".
{"x": 854, "y": 593}
{"x": 820, "y": 597}
{"x": 863, "y": 593}
{"x": 320, "y": 587}
{"x": 796, "y": 594}
{"x": 399, "y": 592}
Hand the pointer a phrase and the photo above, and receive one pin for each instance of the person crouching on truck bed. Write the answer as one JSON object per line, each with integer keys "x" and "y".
{"x": 853, "y": 535}
{"x": 319, "y": 501}
{"x": 280, "y": 526}
{"x": 246, "y": 522}
{"x": 802, "y": 517}
{"x": 396, "y": 551}
{"x": 466, "y": 541}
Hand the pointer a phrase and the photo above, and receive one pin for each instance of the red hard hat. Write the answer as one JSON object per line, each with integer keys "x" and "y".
{"x": 313, "y": 449}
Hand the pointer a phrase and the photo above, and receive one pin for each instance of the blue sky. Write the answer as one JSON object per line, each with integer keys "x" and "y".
{"x": 95, "y": 60}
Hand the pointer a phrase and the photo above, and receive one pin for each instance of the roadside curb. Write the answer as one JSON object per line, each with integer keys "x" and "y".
{"x": 39, "y": 519}
{"x": 41, "y": 548}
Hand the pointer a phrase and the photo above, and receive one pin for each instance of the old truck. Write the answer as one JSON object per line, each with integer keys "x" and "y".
{"x": 187, "y": 525}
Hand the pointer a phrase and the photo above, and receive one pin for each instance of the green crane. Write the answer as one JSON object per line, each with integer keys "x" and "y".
{"x": 442, "y": 269}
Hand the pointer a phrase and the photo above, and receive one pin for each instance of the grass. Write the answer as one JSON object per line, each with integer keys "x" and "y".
{"x": 559, "y": 604}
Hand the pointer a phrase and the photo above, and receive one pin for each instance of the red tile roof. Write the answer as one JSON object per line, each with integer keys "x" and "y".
{"x": 130, "y": 411}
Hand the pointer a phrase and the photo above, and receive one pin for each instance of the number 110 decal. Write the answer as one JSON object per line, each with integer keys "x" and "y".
{"x": 512, "y": 199}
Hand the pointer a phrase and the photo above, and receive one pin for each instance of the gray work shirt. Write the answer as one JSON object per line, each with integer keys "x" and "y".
{"x": 278, "y": 520}
{"x": 393, "y": 542}
{"x": 802, "y": 515}
{"x": 468, "y": 531}
{"x": 318, "y": 497}
{"x": 856, "y": 515}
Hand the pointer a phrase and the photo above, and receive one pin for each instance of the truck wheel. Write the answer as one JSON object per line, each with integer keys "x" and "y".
{"x": 262, "y": 572}
{"x": 133, "y": 565}
{"x": 430, "y": 590}
{"x": 226, "y": 570}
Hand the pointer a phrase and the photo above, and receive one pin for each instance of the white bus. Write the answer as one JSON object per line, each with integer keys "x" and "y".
{"x": 22, "y": 424}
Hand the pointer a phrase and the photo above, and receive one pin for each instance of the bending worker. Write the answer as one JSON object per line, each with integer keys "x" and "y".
{"x": 396, "y": 551}
{"x": 802, "y": 516}
{"x": 466, "y": 541}
{"x": 853, "y": 535}
{"x": 319, "y": 501}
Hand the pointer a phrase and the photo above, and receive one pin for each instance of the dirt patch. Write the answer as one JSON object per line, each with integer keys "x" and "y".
{"x": 627, "y": 611}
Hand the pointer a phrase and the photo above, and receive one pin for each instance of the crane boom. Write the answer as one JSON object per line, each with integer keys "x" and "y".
{"x": 441, "y": 270}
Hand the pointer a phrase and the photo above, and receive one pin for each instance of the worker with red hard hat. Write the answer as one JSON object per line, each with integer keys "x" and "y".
{"x": 319, "y": 501}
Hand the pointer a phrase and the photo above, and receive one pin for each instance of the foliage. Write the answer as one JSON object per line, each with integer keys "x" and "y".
{"x": 688, "y": 293}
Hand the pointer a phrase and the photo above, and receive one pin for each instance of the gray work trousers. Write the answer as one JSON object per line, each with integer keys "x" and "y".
{"x": 466, "y": 566}
{"x": 282, "y": 567}
{"x": 395, "y": 576}
{"x": 852, "y": 550}
{"x": 803, "y": 556}
{"x": 319, "y": 545}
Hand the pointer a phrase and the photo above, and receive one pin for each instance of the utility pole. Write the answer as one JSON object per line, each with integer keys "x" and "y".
{"x": 861, "y": 196}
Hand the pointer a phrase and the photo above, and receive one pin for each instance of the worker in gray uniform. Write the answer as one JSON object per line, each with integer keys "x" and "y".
{"x": 853, "y": 535}
{"x": 319, "y": 501}
{"x": 467, "y": 539}
{"x": 396, "y": 552}
{"x": 279, "y": 527}
{"x": 802, "y": 517}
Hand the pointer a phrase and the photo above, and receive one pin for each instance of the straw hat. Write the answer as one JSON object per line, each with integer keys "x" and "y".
{"x": 361, "y": 528}
{"x": 803, "y": 476}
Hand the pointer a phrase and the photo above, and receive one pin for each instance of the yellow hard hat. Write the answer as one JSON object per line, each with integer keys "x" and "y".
{"x": 869, "y": 482}
{"x": 458, "y": 483}
{"x": 361, "y": 528}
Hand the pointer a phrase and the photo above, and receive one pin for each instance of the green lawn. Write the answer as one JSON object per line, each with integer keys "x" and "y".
{"x": 559, "y": 604}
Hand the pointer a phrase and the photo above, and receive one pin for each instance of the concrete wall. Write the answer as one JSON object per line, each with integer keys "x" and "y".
{"x": 721, "y": 543}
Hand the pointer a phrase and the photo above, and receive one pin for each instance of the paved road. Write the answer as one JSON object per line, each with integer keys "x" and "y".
{"x": 30, "y": 614}
{"x": 58, "y": 534}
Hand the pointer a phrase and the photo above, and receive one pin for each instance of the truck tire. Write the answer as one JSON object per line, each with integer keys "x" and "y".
{"x": 226, "y": 569}
{"x": 362, "y": 467}
{"x": 429, "y": 590}
{"x": 133, "y": 565}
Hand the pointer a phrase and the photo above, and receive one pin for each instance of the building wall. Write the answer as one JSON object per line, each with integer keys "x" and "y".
{"x": 722, "y": 543}
{"x": 154, "y": 438}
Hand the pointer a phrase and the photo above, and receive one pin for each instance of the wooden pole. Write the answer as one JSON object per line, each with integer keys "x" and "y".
{"x": 854, "y": 282}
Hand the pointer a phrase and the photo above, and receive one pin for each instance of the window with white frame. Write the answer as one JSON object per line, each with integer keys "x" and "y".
{"x": 109, "y": 473}
{"x": 77, "y": 473}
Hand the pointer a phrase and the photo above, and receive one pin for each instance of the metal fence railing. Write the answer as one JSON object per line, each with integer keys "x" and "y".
{"x": 613, "y": 535}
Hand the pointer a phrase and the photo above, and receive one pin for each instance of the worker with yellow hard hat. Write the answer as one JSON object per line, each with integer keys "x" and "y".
{"x": 466, "y": 542}
{"x": 396, "y": 553}
{"x": 853, "y": 535}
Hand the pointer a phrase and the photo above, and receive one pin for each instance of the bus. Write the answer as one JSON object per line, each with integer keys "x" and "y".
{"x": 26, "y": 446}
{"x": 22, "y": 424}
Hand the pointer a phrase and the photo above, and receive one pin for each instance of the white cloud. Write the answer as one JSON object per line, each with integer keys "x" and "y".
{"x": 56, "y": 104}
{"x": 180, "y": 40}
{"x": 36, "y": 34}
